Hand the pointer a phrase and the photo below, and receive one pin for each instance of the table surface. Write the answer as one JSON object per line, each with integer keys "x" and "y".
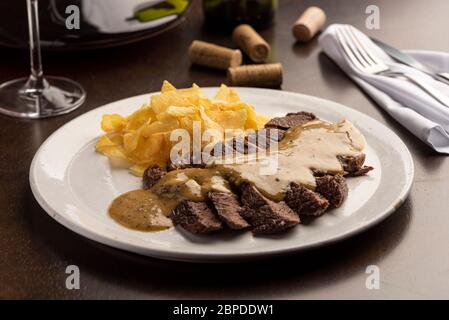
{"x": 409, "y": 247}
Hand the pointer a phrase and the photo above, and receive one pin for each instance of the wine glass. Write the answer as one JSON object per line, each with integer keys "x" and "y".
{"x": 38, "y": 96}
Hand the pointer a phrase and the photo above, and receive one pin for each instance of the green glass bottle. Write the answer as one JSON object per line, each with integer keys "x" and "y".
{"x": 226, "y": 14}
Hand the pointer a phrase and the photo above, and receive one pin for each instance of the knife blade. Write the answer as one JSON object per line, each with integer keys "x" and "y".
{"x": 407, "y": 59}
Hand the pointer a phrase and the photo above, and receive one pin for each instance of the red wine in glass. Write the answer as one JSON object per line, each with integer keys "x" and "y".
{"x": 39, "y": 96}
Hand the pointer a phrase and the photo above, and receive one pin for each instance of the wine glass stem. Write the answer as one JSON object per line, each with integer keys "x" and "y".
{"x": 36, "y": 81}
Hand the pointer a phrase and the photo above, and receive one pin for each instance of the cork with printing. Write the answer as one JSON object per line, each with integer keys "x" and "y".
{"x": 251, "y": 43}
{"x": 257, "y": 75}
{"x": 214, "y": 56}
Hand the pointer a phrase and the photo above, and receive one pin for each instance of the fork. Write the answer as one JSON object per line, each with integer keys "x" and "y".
{"x": 366, "y": 61}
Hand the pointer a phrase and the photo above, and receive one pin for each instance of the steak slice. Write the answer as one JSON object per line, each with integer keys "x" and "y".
{"x": 333, "y": 188}
{"x": 184, "y": 162}
{"x": 290, "y": 120}
{"x": 272, "y": 135}
{"x": 362, "y": 171}
{"x": 228, "y": 209}
{"x": 353, "y": 165}
{"x": 229, "y": 147}
{"x": 196, "y": 217}
{"x": 152, "y": 175}
{"x": 305, "y": 201}
{"x": 264, "y": 215}
{"x": 248, "y": 143}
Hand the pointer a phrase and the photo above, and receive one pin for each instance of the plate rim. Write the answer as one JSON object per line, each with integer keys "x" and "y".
{"x": 177, "y": 255}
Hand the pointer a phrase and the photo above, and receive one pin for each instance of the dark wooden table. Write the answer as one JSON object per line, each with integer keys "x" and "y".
{"x": 410, "y": 247}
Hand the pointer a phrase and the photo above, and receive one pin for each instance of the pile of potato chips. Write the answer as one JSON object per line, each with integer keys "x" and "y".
{"x": 143, "y": 138}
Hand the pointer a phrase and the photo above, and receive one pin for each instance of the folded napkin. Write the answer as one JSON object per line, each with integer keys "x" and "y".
{"x": 420, "y": 113}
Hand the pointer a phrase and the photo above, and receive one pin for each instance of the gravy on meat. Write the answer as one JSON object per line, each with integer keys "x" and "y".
{"x": 148, "y": 210}
{"x": 314, "y": 146}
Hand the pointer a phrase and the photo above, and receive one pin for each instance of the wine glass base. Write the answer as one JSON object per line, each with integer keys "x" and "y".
{"x": 59, "y": 96}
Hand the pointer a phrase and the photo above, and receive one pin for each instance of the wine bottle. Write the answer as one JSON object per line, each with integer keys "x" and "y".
{"x": 226, "y": 14}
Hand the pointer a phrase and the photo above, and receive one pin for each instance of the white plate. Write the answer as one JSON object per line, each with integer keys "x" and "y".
{"x": 75, "y": 185}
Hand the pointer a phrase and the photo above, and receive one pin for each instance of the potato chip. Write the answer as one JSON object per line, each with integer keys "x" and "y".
{"x": 112, "y": 122}
{"x": 167, "y": 86}
{"x": 230, "y": 119}
{"x": 227, "y": 94}
{"x": 143, "y": 138}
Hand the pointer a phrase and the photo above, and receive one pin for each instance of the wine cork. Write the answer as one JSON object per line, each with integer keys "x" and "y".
{"x": 309, "y": 23}
{"x": 256, "y": 75}
{"x": 211, "y": 55}
{"x": 251, "y": 43}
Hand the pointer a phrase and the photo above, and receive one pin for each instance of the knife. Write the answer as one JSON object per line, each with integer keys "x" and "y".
{"x": 407, "y": 59}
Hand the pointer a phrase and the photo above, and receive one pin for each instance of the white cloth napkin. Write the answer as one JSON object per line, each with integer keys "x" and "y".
{"x": 420, "y": 113}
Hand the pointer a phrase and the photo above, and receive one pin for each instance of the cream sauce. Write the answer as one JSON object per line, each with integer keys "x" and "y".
{"x": 313, "y": 146}
{"x": 148, "y": 210}
{"x": 142, "y": 210}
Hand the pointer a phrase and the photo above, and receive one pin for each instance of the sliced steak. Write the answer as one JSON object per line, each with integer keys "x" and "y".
{"x": 362, "y": 171}
{"x": 228, "y": 147}
{"x": 305, "y": 201}
{"x": 228, "y": 209}
{"x": 264, "y": 215}
{"x": 249, "y": 143}
{"x": 290, "y": 120}
{"x": 196, "y": 217}
{"x": 353, "y": 165}
{"x": 275, "y": 134}
{"x": 272, "y": 135}
{"x": 152, "y": 175}
{"x": 333, "y": 188}
{"x": 184, "y": 162}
